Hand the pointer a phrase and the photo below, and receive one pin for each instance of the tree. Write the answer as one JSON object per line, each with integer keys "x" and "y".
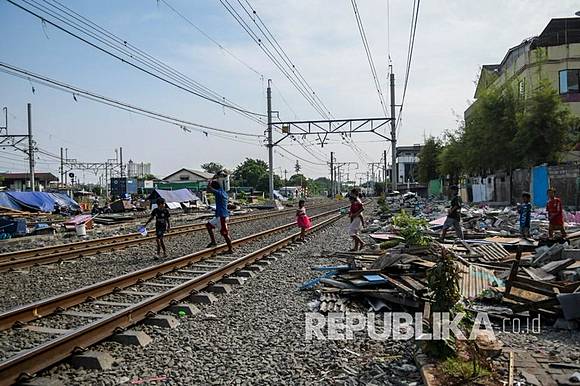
{"x": 212, "y": 167}
{"x": 254, "y": 173}
{"x": 450, "y": 159}
{"x": 543, "y": 127}
{"x": 429, "y": 160}
{"x": 297, "y": 180}
{"x": 149, "y": 177}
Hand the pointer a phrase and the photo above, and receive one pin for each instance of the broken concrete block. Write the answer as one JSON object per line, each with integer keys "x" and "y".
{"x": 570, "y": 304}
{"x": 203, "y": 297}
{"x": 132, "y": 338}
{"x": 220, "y": 289}
{"x": 563, "y": 324}
{"x": 188, "y": 309}
{"x": 94, "y": 360}
{"x": 165, "y": 321}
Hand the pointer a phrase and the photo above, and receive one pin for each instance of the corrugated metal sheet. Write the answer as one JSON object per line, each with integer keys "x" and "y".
{"x": 473, "y": 280}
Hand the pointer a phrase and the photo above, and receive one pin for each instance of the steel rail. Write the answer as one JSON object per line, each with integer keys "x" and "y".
{"x": 36, "y": 256}
{"x": 50, "y": 305}
{"x": 52, "y": 352}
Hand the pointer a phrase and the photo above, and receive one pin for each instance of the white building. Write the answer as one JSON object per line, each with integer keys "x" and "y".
{"x": 188, "y": 175}
{"x": 407, "y": 163}
{"x": 138, "y": 169}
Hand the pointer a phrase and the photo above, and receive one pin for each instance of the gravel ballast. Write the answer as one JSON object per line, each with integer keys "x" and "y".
{"x": 256, "y": 335}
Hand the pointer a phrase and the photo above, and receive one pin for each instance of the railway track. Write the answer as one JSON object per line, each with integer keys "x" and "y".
{"x": 129, "y": 298}
{"x": 56, "y": 253}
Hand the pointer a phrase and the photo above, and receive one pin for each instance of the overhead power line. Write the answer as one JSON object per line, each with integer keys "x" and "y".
{"x": 76, "y": 91}
{"x": 61, "y": 17}
{"x": 411, "y": 45}
{"x": 369, "y": 57}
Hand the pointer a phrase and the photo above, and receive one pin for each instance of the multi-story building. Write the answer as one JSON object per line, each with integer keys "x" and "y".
{"x": 553, "y": 55}
{"x": 407, "y": 163}
{"x": 138, "y": 169}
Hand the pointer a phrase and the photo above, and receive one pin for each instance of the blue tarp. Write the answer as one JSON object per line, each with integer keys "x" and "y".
{"x": 7, "y": 202}
{"x": 41, "y": 201}
{"x": 180, "y": 195}
{"x": 540, "y": 183}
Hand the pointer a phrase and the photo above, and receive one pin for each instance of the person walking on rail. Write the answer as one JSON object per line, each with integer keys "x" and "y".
{"x": 302, "y": 220}
{"x": 222, "y": 215}
{"x": 356, "y": 221}
{"x": 161, "y": 215}
{"x": 453, "y": 219}
{"x": 555, "y": 214}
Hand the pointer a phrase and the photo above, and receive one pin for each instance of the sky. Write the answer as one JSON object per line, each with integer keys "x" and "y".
{"x": 453, "y": 39}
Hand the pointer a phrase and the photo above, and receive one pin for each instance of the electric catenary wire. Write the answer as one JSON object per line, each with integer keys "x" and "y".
{"x": 24, "y": 74}
{"x": 369, "y": 57}
{"x": 123, "y": 51}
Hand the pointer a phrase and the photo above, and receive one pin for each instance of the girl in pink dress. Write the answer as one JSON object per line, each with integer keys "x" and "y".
{"x": 302, "y": 220}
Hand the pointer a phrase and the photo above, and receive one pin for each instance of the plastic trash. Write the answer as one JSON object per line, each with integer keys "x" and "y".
{"x": 141, "y": 229}
{"x": 181, "y": 314}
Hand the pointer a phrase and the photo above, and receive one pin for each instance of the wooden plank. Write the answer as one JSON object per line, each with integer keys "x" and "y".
{"x": 511, "y": 361}
{"x": 538, "y": 274}
{"x": 395, "y": 283}
{"x": 514, "y": 271}
{"x": 411, "y": 282}
{"x": 547, "y": 303}
{"x": 558, "y": 265}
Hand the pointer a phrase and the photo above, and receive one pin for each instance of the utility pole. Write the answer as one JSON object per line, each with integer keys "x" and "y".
{"x": 331, "y": 174}
{"x": 61, "y": 167}
{"x": 270, "y": 144}
{"x": 30, "y": 148}
{"x": 66, "y": 160}
{"x": 385, "y": 171}
{"x": 285, "y": 177}
{"x": 393, "y": 132}
{"x": 121, "y": 162}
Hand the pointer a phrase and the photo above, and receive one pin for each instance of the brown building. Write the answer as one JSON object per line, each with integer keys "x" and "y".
{"x": 21, "y": 181}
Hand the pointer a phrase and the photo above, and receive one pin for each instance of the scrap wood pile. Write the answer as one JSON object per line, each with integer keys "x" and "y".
{"x": 544, "y": 280}
{"x": 392, "y": 280}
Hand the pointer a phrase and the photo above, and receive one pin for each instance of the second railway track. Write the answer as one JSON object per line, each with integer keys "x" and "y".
{"x": 55, "y": 253}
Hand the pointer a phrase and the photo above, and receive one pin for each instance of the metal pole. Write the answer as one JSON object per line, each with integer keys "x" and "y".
{"x": 61, "y": 167}
{"x": 385, "y": 172}
{"x": 66, "y": 160}
{"x": 393, "y": 132}
{"x": 270, "y": 145}
{"x": 331, "y": 174}
{"x": 121, "y": 162}
{"x": 30, "y": 148}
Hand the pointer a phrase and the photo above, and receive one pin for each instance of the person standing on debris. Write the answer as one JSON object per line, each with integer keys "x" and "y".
{"x": 161, "y": 215}
{"x": 222, "y": 215}
{"x": 302, "y": 220}
{"x": 453, "y": 219}
{"x": 355, "y": 214}
{"x": 555, "y": 214}
{"x": 525, "y": 211}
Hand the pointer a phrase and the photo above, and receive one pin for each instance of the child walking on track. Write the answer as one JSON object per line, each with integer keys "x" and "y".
{"x": 355, "y": 214}
{"x": 302, "y": 220}
{"x": 161, "y": 215}
{"x": 222, "y": 215}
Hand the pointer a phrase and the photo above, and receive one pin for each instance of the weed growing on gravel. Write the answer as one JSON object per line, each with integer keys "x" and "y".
{"x": 412, "y": 229}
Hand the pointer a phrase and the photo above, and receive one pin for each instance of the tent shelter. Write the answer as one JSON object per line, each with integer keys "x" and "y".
{"x": 173, "y": 198}
{"x": 37, "y": 201}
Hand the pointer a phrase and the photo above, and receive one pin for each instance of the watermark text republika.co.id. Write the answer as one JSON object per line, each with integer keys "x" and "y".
{"x": 405, "y": 326}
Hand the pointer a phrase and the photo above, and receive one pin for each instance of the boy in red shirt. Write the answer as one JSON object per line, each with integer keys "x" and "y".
{"x": 555, "y": 214}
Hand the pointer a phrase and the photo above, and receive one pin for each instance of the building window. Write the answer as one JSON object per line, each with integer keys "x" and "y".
{"x": 183, "y": 178}
{"x": 570, "y": 81}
